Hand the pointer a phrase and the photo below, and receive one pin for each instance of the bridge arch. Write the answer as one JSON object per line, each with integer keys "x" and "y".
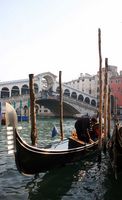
{"x": 26, "y": 110}
{"x": 25, "y": 90}
{"x": 45, "y": 83}
{"x": 74, "y": 95}
{"x": 80, "y": 97}
{"x": 48, "y": 80}
{"x": 5, "y": 93}
{"x": 87, "y": 100}
{"x": 67, "y": 92}
{"x": 15, "y": 91}
{"x": 93, "y": 102}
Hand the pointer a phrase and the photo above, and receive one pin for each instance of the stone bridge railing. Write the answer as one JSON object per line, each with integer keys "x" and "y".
{"x": 78, "y": 105}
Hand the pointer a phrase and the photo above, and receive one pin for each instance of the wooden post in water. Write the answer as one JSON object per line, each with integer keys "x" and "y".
{"x": 101, "y": 95}
{"x": 32, "y": 111}
{"x": 109, "y": 111}
{"x": 105, "y": 103}
{"x": 61, "y": 106}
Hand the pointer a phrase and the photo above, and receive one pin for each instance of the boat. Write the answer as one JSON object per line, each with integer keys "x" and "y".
{"x": 115, "y": 150}
{"x": 32, "y": 160}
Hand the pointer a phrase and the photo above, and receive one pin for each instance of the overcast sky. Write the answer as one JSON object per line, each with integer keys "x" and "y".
{"x": 38, "y": 36}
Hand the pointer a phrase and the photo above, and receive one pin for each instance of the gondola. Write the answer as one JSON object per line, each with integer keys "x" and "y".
{"x": 32, "y": 160}
{"x": 115, "y": 150}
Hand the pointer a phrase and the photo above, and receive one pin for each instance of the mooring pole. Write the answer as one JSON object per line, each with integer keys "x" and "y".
{"x": 100, "y": 94}
{"x": 61, "y": 106}
{"x": 32, "y": 111}
{"x": 109, "y": 111}
{"x": 105, "y": 103}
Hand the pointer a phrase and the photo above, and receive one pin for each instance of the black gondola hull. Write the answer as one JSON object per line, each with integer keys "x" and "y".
{"x": 31, "y": 160}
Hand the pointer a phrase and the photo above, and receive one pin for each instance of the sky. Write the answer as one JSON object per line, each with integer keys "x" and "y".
{"x": 38, "y": 36}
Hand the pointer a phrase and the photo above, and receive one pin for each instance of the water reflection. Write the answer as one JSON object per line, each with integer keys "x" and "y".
{"x": 54, "y": 184}
{"x": 113, "y": 187}
{"x": 59, "y": 183}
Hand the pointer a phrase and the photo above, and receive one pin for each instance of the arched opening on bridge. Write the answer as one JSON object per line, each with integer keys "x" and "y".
{"x": 74, "y": 95}
{"x": 67, "y": 92}
{"x": 87, "y": 100}
{"x": 36, "y": 88}
{"x": 5, "y": 92}
{"x": 93, "y": 102}
{"x": 25, "y": 110}
{"x": 15, "y": 91}
{"x": 24, "y": 90}
{"x": 80, "y": 97}
{"x": 47, "y": 81}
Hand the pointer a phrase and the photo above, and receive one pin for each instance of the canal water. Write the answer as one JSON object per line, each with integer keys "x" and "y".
{"x": 85, "y": 180}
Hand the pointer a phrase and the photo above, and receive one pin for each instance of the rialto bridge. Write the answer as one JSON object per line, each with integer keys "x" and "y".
{"x": 47, "y": 97}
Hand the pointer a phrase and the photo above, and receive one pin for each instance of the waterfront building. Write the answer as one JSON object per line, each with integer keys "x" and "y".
{"x": 116, "y": 93}
{"x": 86, "y": 83}
{"x": 90, "y": 84}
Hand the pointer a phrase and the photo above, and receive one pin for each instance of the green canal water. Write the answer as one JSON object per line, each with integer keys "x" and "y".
{"x": 85, "y": 180}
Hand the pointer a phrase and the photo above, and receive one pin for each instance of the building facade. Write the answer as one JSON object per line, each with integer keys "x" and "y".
{"x": 85, "y": 83}
{"x": 116, "y": 93}
{"x": 91, "y": 85}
